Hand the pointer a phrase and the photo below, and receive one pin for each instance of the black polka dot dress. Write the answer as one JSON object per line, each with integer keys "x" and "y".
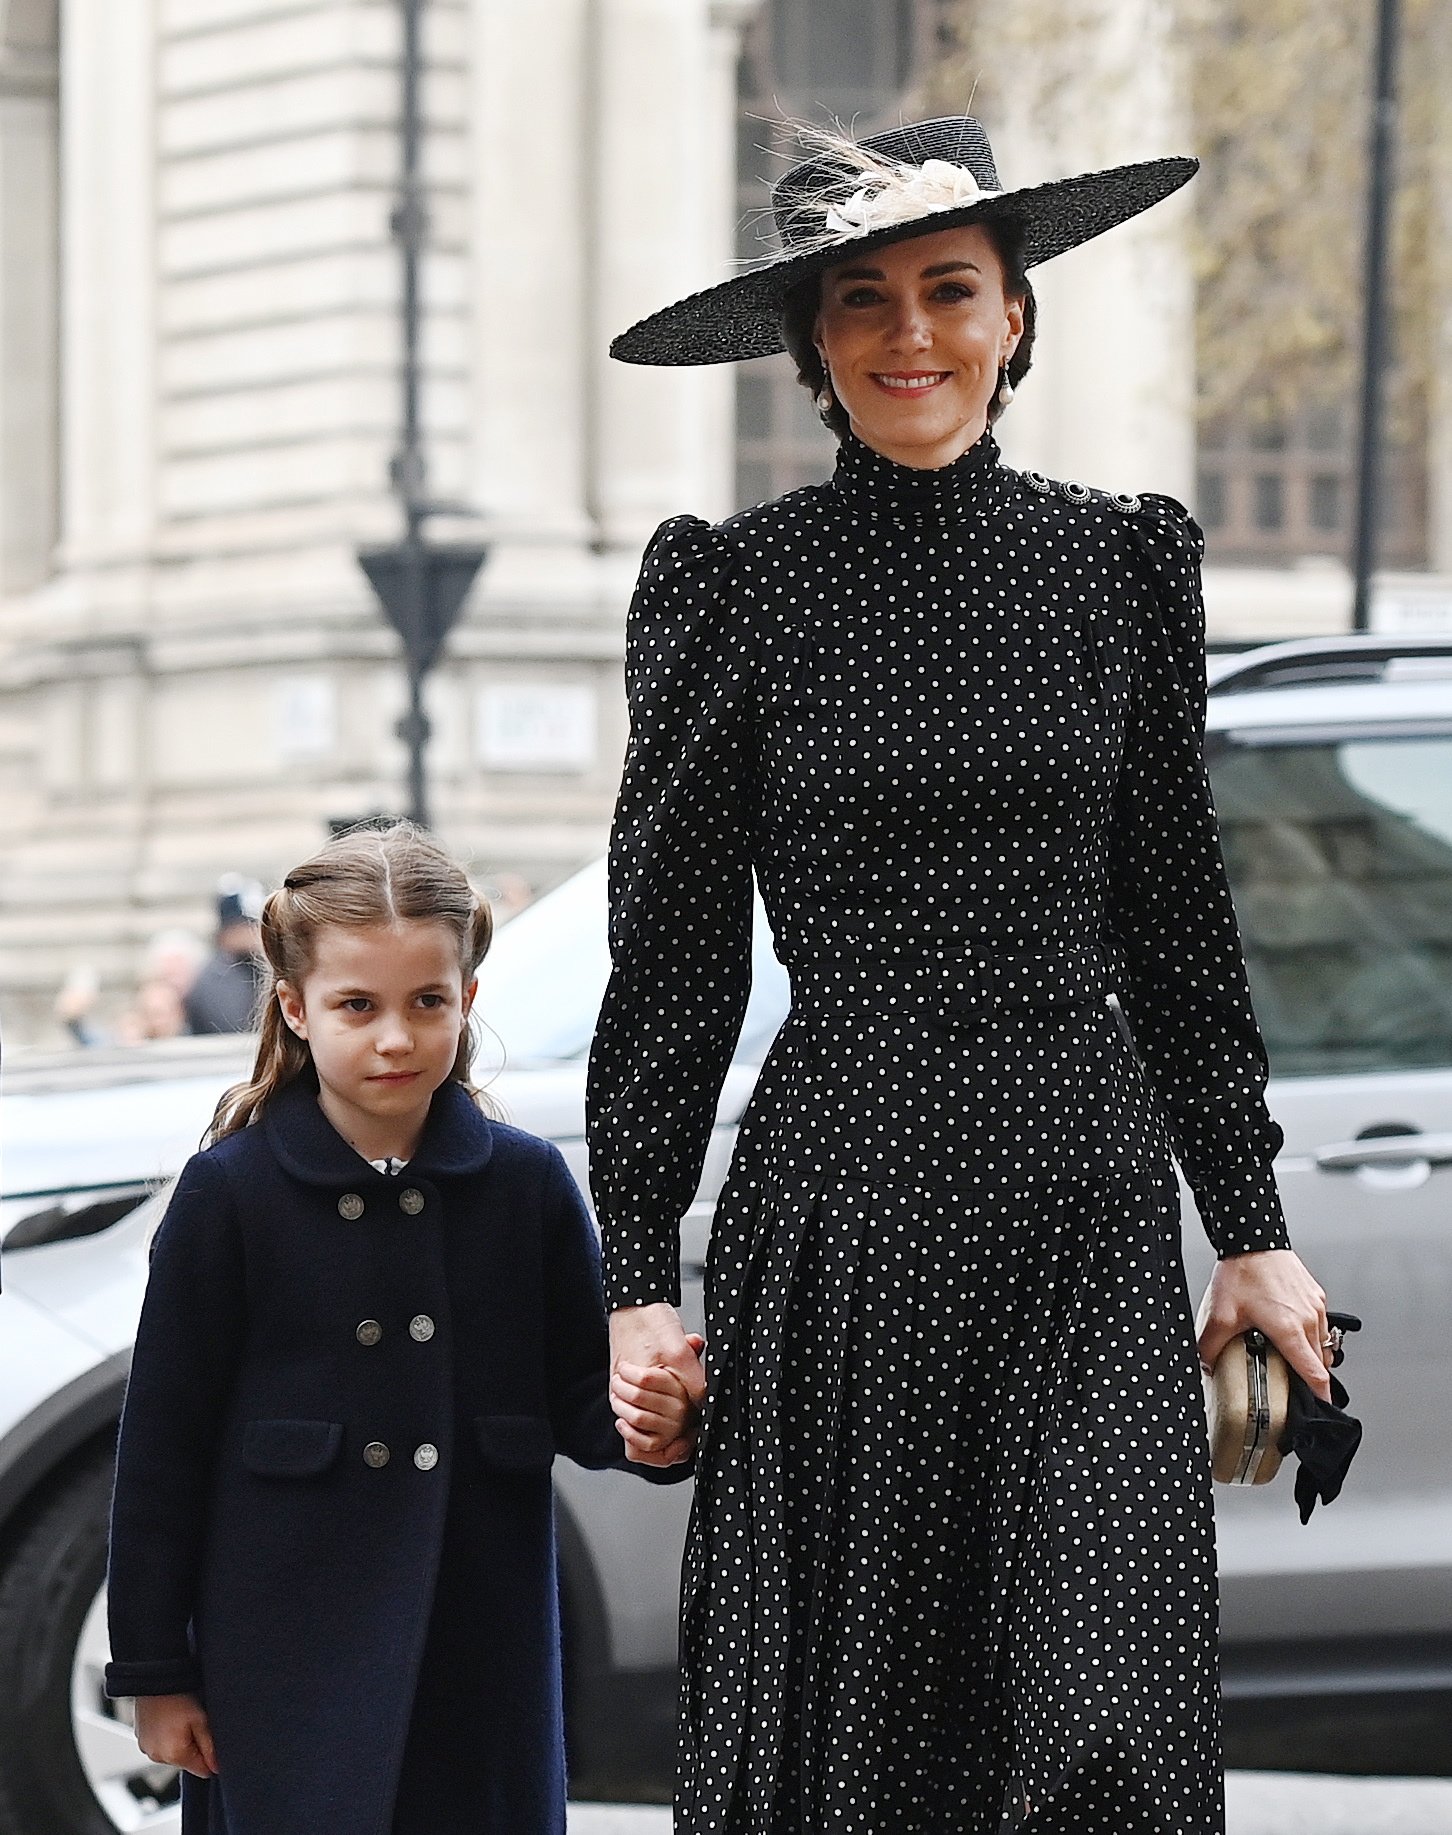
{"x": 950, "y": 1565}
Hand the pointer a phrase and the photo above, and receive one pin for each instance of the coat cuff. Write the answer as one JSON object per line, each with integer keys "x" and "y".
{"x": 1241, "y": 1210}
{"x": 660, "y": 1474}
{"x": 154, "y": 1676}
{"x": 640, "y": 1262}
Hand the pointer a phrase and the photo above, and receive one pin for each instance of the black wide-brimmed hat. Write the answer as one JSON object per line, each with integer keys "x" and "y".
{"x": 856, "y": 195}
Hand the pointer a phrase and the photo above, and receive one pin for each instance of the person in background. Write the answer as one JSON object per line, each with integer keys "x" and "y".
{"x": 224, "y": 996}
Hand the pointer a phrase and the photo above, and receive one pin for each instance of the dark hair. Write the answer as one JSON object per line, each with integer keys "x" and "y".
{"x": 363, "y": 877}
{"x": 804, "y": 301}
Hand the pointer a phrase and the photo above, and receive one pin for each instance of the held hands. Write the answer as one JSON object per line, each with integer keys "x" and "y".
{"x": 1273, "y": 1290}
{"x": 657, "y": 1385}
{"x": 173, "y": 1730}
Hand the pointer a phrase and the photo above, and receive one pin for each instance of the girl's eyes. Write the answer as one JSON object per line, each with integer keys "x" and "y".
{"x": 359, "y": 1003}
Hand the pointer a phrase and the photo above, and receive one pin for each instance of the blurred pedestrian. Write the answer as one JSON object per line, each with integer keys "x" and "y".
{"x": 952, "y": 1559}
{"x": 175, "y": 956}
{"x": 156, "y": 1011}
{"x": 225, "y": 995}
{"x": 332, "y": 1521}
{"x": 75, "y": 1005}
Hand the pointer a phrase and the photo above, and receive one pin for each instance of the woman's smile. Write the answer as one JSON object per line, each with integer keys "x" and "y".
{"x": 910, "y": 382}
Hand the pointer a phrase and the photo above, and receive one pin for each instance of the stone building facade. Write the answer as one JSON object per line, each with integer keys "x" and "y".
{"x": 199, "y": 399}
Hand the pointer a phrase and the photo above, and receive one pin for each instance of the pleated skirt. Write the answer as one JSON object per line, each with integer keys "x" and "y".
{"x": 951, "y": 1566}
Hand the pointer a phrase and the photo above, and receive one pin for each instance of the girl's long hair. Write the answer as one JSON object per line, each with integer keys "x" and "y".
{"x": 364, "y": 878}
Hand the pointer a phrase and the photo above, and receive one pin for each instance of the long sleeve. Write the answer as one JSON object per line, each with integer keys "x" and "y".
{"x": 680, "y": 910}
{"x": 1183, "y": 985}
{"x": 578, "y": 1338}
{"x": 187, "y": 1347}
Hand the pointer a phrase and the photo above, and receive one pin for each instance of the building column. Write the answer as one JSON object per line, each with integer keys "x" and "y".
{"x": 663, "y": 210}
{"x": 108, "y": 278}
{"x": 28, "y": 303}
{"x": 530, "y": 96}
{"x": 1110, "y": 400}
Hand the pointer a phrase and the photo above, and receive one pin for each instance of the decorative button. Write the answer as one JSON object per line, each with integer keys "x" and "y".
{"x": 426, "y": 1457}
{"x": 369, "y": 1332}
{"x": 350, "y": 1205}
{"x": 375, "y": 1454}
{"x": 411, "y": 1202}
{"x": 421, "y": 1328}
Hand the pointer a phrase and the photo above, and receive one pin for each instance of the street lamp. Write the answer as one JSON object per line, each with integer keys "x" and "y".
{"x": 421, "y": 585}
{"x": 1375, "y": 331}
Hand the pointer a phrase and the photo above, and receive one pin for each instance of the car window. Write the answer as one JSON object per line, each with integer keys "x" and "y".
{"x": 541, "y": 985}
{"x": 1340, "y": 857}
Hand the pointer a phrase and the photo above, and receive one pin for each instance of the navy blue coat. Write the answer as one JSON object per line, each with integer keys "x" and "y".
{"x": 333, "y": 1513}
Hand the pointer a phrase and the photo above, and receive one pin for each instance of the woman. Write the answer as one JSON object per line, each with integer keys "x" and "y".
{"x": 951, "y": 1559}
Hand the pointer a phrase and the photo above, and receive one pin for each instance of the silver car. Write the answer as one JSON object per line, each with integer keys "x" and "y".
{"x": 1332, "y": 765}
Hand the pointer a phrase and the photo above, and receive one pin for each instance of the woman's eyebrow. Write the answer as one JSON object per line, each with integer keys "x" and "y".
{"x": 938, "y": 269}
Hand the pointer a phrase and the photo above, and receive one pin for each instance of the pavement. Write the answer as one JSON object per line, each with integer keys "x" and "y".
{"x": 1256, "y": 1803}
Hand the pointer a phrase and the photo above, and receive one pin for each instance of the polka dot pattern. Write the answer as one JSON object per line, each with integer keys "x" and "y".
{"x": 951, "y": 1552}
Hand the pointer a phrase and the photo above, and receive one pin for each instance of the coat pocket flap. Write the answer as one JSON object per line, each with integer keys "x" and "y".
{"x": 515, "y": 1442}
{"x": 290, "y": 1449}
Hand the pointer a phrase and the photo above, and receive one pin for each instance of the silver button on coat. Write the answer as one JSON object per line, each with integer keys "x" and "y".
{"x": 350, "y": 1205}
{"x": 369, "y": 1332}
{"x": 421, "y": 1328}
{"x": 411, "y": 1201}
{"x": 426, "y": 1457}
{"x": 375, "y": 1454}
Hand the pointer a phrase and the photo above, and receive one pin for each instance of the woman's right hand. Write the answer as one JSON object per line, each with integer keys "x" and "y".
{"x": 173, "y": 1730}
{"x": 646, "y": 1339}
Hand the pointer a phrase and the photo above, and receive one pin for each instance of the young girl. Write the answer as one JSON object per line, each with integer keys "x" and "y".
{"x": 373, "y": 1318}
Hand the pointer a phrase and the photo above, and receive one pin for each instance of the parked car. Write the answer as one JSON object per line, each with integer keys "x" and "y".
{"x": 1332, "y": 764}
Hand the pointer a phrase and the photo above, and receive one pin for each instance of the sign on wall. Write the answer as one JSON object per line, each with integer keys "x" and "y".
{"x": 536, "y": 726}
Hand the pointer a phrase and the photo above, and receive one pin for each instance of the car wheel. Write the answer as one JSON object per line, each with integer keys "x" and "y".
{"x": 69, "y": 1764}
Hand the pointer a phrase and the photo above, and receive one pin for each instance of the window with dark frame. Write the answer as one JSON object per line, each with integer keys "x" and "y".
{"x": 1274, "y": 490}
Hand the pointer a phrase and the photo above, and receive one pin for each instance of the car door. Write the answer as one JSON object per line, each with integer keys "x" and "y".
{"x": 1339, "y": 848}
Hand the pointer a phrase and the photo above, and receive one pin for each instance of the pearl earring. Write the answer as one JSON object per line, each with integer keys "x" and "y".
{"x": 1005, "y": 387}
{"x": 825, "y": 399}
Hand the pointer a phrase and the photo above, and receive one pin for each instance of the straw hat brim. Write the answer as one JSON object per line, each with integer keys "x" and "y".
{"x": 741, "y": 317}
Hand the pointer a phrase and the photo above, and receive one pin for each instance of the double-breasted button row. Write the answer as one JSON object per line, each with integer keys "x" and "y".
{"x": 377, "y": 1455}
{"x": 410, "y": 1201}
{"x": 420, "y": 1328}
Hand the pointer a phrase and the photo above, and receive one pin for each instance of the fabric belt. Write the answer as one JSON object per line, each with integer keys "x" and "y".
{"x": 952, "y": 986}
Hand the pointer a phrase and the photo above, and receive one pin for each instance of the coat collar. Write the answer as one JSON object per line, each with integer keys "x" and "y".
{"x": 457, "y": 1139}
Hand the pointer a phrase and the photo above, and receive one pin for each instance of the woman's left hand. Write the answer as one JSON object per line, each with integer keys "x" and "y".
{"x": 1274, "y": 1291}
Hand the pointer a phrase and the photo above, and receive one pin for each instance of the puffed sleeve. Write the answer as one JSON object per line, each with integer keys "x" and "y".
{"x": 680, "y": 909}
{"x": 188, "y": 1344}
{"x": 1183, "y": 984}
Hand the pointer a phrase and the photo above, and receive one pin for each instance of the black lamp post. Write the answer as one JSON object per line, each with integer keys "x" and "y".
{"x": 1376, "y": 326}
{"x": 421, "y": 585}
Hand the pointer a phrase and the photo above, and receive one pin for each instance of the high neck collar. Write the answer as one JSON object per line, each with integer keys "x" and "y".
{"x": 872, "y": 484}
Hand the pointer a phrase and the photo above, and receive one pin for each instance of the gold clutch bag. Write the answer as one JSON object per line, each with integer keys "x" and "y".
{"x": 1247, "y": 1397}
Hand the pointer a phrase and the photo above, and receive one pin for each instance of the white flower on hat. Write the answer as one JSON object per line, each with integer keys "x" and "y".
{"x": 904, "y": 194}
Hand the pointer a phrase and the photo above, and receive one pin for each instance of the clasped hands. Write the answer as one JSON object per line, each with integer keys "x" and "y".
{"x": 657, "y": 1384}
